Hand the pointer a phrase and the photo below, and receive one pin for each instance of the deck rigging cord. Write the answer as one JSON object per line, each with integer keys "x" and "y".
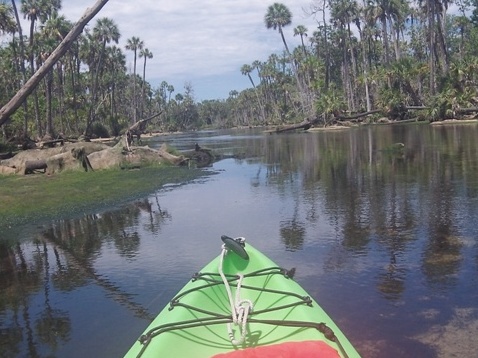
{"x": 241, "y": 309}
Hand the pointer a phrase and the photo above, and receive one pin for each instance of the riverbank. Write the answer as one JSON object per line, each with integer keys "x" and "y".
{"x": 29, "y": 200}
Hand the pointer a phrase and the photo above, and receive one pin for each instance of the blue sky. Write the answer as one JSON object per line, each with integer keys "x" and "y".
{"x": 202, "y": 42}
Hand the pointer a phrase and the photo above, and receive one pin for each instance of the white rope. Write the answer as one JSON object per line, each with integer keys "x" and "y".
{"x": 240, "y": 308}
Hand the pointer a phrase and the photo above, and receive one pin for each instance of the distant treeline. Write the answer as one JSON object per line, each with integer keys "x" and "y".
{"x": 382, "y": 58}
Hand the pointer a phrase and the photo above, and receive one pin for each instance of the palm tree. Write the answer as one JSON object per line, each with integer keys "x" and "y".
{"x": 399, "y": 11}
{"x": 8, "y": 26}
{"x": 343, "y": 13}
{"x": 22, "y": 65}
{"x": 30, "y": 10}
{"x": 380, "y": 12}
{"x": 246, "y": 70}
{"x": 117, "y": 67}
{"x": 363, "y": 41}
{"x": 145, "y": 53}
{"x": 301, "y": 31}
{"x": 7, "y": 23}
{"x": 134, "y": 44}
{"x": 17, "y": 100}
{"x": 40, "y": 10}
{"x": 170, "y": 90}
{"x": 53, "y": 32}
{"x": 104, "y": 32}
{"x": 278, "y": 16}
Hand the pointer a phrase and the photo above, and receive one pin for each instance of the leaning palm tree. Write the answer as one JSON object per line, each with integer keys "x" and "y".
{"x": 145, "y": 53}
{"x": 278, "y": 16}
{"x": 134, "y": 44}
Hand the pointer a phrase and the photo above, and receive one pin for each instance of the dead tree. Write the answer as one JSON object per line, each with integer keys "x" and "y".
{"x": 137, "y": 129}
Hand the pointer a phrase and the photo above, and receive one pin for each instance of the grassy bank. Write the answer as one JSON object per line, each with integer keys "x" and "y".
{"x": 34, "y": 198}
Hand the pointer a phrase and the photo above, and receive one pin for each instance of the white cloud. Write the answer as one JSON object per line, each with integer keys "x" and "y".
{"x": 203, "y": 42}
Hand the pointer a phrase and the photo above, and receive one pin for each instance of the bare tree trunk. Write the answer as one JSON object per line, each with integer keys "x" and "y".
{"x": 431, "y": 34}
{"x": 365, "y": 76}
{"x": 22, "y": 66}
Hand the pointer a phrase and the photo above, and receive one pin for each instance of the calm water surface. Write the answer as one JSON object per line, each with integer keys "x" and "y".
{"x": 384, "y": 236}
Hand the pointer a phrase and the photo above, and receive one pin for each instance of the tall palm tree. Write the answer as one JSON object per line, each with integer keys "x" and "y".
{"x": 301, "y": 31}
{"x": 134, "y": 44}
{"x": 277, "y": 16}
{"x": 441, "y": 8}
{"x": 246, "y": 71}
{"x": 144, "y": 53}
{"x": 115, "y": 63}
{"x": 363, "y": 41}
{"x": 104, "y": 32}
{"x": 343, "y": 13}
{"x": 22, "y": 65}
{"x": 53, "y": 32}
{"x": 398, "y": 12}
{"x": 308, "y": 72}
{"x": 380, "y": 10}
{"x": 37, "y": 10}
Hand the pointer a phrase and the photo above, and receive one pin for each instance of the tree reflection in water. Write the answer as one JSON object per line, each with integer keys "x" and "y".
{"x": 292, "y": 234}
{"x": 61, "y": 259}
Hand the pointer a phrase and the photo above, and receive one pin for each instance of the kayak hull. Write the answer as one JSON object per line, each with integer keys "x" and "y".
{"x": 195, "y": 323}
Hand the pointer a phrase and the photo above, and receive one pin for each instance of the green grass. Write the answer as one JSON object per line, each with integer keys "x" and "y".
{"x": 34, "y": 198}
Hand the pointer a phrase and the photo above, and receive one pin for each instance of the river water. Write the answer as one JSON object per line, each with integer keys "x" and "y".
{"x": 379, "y": 222}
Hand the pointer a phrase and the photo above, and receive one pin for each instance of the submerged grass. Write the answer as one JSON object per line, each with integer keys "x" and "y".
{"x": 34, "y": 198}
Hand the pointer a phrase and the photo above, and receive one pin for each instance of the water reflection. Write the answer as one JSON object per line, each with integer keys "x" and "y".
{"x": 384, "y": 215}
{"x": 61, "y": 259}
{"x": 25, "y": 275}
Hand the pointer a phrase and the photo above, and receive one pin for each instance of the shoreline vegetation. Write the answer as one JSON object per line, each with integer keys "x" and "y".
{"x": 77, "y": 83}
{"x": 34, "y": 199}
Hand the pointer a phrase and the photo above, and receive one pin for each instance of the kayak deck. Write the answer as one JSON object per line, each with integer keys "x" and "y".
{"x": 195, "y": 322}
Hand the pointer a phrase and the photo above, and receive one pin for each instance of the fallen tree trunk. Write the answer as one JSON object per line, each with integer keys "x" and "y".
{"x": 32, "y": 165}
{"x": 135, "y": 130}
{"x": 51, "y": 143}
{"x": 302, "y": 125}
{"x": 416, "y": 107}
{"x": 141, "y": 125}
{"x": 467, "y": 110}
{"x": 402, "y": 121}
{"x": 358, "y": 115}
{"x": 173, "y": 159}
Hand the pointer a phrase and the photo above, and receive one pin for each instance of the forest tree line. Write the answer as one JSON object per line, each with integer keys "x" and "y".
{"x": 381, "y": 56}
